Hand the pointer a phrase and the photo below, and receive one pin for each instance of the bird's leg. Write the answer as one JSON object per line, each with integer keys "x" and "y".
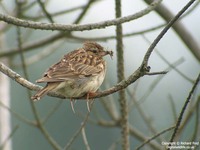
{"x": 89, "y": 102}
{"x": 72, "y": 101}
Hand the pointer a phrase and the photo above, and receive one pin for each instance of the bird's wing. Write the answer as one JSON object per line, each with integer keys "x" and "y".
{"x": 75, "y": 65}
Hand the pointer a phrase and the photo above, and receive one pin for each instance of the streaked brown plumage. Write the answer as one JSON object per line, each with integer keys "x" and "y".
{"x": 78, "y": 73}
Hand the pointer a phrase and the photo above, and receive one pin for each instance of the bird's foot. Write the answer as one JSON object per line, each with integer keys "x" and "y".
{"x": 72, "y": 101}
{"x": 90, "y": 101}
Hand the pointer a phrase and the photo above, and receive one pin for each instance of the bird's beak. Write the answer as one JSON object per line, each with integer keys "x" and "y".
{"x": 105, "y": 52}
{"x": 110, "y": 53}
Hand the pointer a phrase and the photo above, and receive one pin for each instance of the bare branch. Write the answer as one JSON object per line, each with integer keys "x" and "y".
{"x": 168, "y": 63}
{"x": 180, "y": 29}
{"x": 42, "y": 5}
{"x": 50, "y": 39}
{"x": 13, "y": 75}
{"x": 56, "y": 13}
{"x": 2, "y": 146}
{"x": 75, "y": 27}
{"x": 67, "y": 146}
{"x": 18, "y": 116}
{"x": 121, "y": 85}
{"x": 155, "y": 136}
{"x": 162, "y": 33}
{"x": 140, "y": 136}
{"x": 141, "y": 71}
{"x": 121, "y": 76}
{"x": 184, "y": 108}
{"x": 133, "y": 132}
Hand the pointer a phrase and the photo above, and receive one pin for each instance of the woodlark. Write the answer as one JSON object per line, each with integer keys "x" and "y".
{"x": 79, "y": 73}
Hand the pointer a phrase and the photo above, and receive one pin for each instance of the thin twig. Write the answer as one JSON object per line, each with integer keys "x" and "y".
{"x": 62, "y": 12}
{"x": 77, "y": 132}
{"x": 51, "y": 39}
{"x": 36, "y": 115}
{"x": 140, "y": 136}
{"x": 110, "y": 107}
{"x": 155, "y": 136}
{"x": 133, "y": 132}
{"x": 167, "y": 62}
{"x": 173, "y": 106}
{"x": 196, "y": 124}
{"x": 53, "y": 110}
{"x": 84, "y": 11}
{"x": 42, "y": 5}
{"x": 189, "y": 115}
{"x": 43, "y": 54}
{"x": 2, "y": 146}
{"x": 18, "y": 116}
{"x": 142, "y": 113}
{"x": 180, "y": 29}
{"x": 184, "y": 108}
{"x": 28, "y": 7}
{"x": 158, "y": 79}
{"x": 33, "y": 45}
{"x": 162, "y": 33}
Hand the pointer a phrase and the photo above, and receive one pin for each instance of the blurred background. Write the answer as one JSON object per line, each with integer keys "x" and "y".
{"x": 154, "y": 102}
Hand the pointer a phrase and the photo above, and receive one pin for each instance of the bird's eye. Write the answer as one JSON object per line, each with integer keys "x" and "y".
{"x": 94, "y": 51}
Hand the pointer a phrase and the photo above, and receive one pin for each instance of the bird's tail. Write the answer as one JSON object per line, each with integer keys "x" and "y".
{"x": 43, "y": 91}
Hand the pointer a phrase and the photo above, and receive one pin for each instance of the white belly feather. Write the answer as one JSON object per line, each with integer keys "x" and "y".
{"x": 80, "y": 87}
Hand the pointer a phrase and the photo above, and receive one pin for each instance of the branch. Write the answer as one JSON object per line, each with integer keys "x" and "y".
{"x": 51, "y": 39}
{"x": 83, "y": 124}
{"x": 155, "y": 136}
{"x": 15, "y": 76}
{"x": 180, "y": 29}
{"x": 29, "y": 46}
{"x": 62, "y": 12}
{"x": 120, "y": 75}
{"x": 184, "y": 108}
{"x": 75, "y": 27}
{"x": 44, "y": 10}
{"x": 135, "y": 133}
{"x": 121, "y": 85}
{"x": 2, "y": 146}
{"x": 48, "y": 40}
{"x": 39, "y": 124}
{"x": 163, "y": 32}
{"x": 141, "y": 71}
{"x": 17, "y": 116}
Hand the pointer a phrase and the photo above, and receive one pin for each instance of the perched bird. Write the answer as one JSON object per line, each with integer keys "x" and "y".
{"x": 79, "y": 73}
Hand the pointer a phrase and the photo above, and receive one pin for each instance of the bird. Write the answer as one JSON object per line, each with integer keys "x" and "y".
{"x": 79, "y": 73}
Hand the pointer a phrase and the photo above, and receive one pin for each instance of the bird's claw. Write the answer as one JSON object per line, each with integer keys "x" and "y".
{"x": 72, "y": 105}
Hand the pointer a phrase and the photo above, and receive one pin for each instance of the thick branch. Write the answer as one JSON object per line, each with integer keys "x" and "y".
{"x": 48, "y": 40}
{"x": 15, "y": 76}
{"x": 75, "y": 27}
{"x": 141, "y": 71}
{"x": 121, "y": 76}
{"x": 121, "y": 85}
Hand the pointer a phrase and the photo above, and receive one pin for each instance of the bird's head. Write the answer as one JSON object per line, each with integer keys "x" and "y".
{"x": 96, "y": 49}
